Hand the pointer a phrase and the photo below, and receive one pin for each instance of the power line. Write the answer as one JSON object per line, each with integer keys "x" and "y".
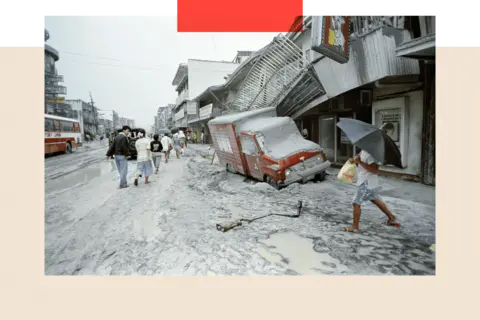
{"x": 153, "y": 68}
{"x": 106, "y": 64}
{"x": 86, "y": 55}
{"x": 118, "y": 65}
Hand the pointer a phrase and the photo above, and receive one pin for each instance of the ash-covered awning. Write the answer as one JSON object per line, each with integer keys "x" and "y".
{"x": 422, "y": 48}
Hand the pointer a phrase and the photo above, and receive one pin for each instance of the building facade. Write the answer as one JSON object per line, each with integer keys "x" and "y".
{"x": 87, "y": 115}
{"x": 123, "y": 121}
{"x": 162, "y": 118}
{"x": 422, "y": 48}
{"x": 367, "y": 79}
{"x": 193, "y": 78}
{"x": 54, "y": 92}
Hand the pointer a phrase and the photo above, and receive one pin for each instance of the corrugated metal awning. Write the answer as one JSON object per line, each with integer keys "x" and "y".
{"x": 418, "y": 48}
{"x": 305, "y": 89}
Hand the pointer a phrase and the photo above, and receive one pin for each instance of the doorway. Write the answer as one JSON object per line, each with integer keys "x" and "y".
{"x": 327, "y": 135}
{"x": 344, "y": 148}
{"x": 335, "y": 144}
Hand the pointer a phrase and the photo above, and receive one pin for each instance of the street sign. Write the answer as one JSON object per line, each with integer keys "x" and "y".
{"x": 56, "y": 99}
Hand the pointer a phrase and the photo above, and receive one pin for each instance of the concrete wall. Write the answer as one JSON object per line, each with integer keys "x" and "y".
{"x": 203, "y": 74}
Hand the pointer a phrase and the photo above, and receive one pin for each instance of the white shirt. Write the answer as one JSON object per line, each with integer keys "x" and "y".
{"x": 365, "y": 175}
{"x": 143, "y": 149}
{"x": 166, "y": 142}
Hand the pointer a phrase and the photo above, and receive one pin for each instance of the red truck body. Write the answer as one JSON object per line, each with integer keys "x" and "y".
{"x": 268, "y": 148}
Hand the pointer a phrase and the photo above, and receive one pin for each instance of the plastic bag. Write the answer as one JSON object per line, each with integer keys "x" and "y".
{"x": 347, "y": 173}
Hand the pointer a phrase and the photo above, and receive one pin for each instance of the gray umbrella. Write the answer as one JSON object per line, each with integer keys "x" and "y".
{"x": 373, "y": 140}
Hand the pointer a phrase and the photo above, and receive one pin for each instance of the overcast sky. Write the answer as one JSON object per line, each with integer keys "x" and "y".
{"x": 128, "y": 63}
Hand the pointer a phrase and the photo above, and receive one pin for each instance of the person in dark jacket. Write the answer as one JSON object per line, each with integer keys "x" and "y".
{"x": 121, "y": 150}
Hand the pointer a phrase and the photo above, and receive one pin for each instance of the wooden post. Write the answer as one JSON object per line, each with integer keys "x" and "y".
{"x": 213, "y": 158}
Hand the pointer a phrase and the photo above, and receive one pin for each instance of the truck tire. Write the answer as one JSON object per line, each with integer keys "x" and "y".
{"x": 272, "y": 182}
{"x": 320, "y": 176}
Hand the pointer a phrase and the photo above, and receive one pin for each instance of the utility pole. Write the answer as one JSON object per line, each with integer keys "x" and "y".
{"x": 95, "y": 114}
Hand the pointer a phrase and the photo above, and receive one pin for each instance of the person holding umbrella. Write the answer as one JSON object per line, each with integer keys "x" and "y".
{"x": 367, "y": 190}
{"x": 371, "y": 140}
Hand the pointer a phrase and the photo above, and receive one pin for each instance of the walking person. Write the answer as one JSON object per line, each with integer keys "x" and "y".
{"x": 183, "y": 142}
{"x": 177, "y": 145}
{"x": 367, "y": 190}
{"x": 144, "y": 161}
{"x": 167, "y": 146}
{"x": 120, "y": 149}
{"x": 156, "y": 149}
{"x": 202, "y": 137}
{"x": 195, "y": 137}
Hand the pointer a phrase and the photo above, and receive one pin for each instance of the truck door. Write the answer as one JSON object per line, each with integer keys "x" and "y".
{"x": 252, "y": 156}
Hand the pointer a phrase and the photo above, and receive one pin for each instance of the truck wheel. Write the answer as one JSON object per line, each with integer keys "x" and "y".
{"x": 272, "y": 182}
{"x": 320, "y": 176}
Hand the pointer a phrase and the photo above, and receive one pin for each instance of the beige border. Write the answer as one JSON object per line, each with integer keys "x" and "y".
{"x": 27, "y": 294}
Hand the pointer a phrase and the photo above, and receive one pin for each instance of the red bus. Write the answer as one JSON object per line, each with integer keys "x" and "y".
{"x": 61, "y": 134}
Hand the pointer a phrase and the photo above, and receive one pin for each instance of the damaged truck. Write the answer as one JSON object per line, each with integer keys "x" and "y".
{"x": 267, "y": 148}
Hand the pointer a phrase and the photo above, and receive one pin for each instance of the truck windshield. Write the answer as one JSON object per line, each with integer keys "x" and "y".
{"x": 261, "y": 142}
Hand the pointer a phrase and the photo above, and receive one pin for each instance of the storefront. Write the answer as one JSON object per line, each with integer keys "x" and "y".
{"x": 321, "y": 124}
{"x": 399, "y": 108}
{"x": 422, "y": 48}
{"x": 200, "y": 124}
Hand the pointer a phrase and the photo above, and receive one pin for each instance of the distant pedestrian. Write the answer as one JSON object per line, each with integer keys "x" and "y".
{"x": 120, "y": 149}
{"x": 177, "y": 145}
{"x": 183, "y": 140}
{"x": 167, "y": 146}
{"x": 367, "y": 190}
{"x": 195, "y": 137}
{"x": 202, "y": 137}
{"x": 144, "y": 161}
{"x": 156, "y": 149}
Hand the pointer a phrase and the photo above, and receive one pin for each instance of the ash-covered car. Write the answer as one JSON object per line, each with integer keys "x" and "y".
{"x": 131, "y": 141}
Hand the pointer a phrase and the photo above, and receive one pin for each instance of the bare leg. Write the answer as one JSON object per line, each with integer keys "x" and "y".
{"x": 382, "y": 206}
{"x": 356, "y": 219}
{"x": 146, "y": 180}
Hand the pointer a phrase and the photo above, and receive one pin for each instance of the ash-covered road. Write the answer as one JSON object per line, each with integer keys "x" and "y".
{"x": 168, "y": 227}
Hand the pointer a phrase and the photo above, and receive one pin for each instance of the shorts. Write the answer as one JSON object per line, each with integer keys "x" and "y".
{"x": 364, "y": 194}
{"x": 156, "y": 160}
{"x": 145, "y": 168}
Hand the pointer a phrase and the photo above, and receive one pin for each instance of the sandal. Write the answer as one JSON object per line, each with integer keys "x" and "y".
{"x": 351, "y": 229}
{"x": 392, "y": 223}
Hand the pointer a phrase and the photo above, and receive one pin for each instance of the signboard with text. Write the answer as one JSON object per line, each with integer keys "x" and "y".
{"x": 206, "y": 112}
{"x": 330, "y": 37}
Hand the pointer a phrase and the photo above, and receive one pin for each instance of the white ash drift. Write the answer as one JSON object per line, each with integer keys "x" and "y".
{"x": 169, "y": 227}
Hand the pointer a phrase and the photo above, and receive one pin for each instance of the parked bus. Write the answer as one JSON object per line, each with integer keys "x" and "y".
{"x": 61, "y": 134}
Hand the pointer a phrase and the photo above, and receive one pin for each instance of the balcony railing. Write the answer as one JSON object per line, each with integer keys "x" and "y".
{"x": 55, "y": 90}
{"x": 182, "y": 97}
{"x": 362, "y": 25}
{"x": 52, "y": 77}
